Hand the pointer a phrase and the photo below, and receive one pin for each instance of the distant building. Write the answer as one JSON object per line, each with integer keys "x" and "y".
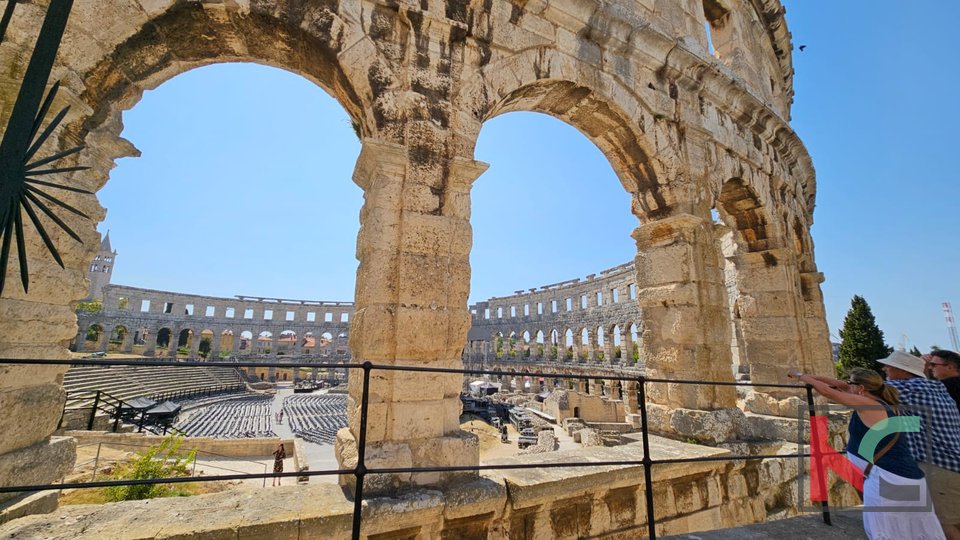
{"x": 101, "y": 269}
{"x": 836, "y": 352}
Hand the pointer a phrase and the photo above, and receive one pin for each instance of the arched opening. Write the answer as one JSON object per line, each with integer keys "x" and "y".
{"x": 164, "y": 339}
{"x": 118, "y": 337}
{"x": 93, "y": 337}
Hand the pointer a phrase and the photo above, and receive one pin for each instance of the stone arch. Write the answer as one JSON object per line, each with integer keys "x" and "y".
{"x": 164, "y": 337}
{"x": 598, "y": 116}
{"x": 228, "y": 340}
{"x": 118, "y": 338}
{"x": 93, "y": 337}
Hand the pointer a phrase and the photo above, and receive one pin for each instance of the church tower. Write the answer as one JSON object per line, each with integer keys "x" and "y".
{"x": 101, "y": 269}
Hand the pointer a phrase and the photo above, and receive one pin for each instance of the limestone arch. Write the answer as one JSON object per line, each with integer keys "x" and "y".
{"x": 741, "y": 208}
{"x": 592, "y": 112}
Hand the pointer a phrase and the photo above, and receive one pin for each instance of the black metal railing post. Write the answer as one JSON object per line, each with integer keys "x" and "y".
{"x": 93, "y": 411}
{"x": 116, "y": 415}
{"x": 361, "y": 470}
{"x": 647, "y": 460}
{"x": 824, "y": 507}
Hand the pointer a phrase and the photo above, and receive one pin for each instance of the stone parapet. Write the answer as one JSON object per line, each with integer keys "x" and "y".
{"x": 573, "y": 502}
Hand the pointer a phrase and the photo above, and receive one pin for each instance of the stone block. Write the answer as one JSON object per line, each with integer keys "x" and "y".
{"x": 711, "y": 427}
{"x": 36, "y": 503}
{"x": 30, "y": 414}
{"x": 42, "y": 463}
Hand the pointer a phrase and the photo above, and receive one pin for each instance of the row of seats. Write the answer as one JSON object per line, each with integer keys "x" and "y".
{"x": 126, "y": 382}
{"x": 316, "y": 418}
{"x": 244, "y": 418}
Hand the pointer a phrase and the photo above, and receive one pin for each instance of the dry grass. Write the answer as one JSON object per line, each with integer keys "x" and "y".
{"x": 99, "y": 496}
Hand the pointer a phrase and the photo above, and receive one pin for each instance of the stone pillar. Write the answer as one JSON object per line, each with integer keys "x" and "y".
{"x": 630, "y": 405}
{"x": 126, "y": 346}
{"x": 771, "y": 316}
{"x": 819, "y": 351}
{"x": 298, "y": 344}
{"x": 411, "y": 309}
{"x": 195, "y": 344}
{"x": 217, "y": 344}
{"x": 150, "y": 343}
{"x": 608, "y": 348}
{"x": 686, "y": 326}
{"x": 626, "y": 348}
{"x": 596, "y": 387}
{"x": 174, "y": 343}
{"x": 103, "y": 344}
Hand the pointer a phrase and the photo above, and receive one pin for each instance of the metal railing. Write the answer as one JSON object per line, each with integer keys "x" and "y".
{"x": 361, "y": 470}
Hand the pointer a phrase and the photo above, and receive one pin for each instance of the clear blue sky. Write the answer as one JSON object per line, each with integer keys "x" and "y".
{"x": 244, "y": 186}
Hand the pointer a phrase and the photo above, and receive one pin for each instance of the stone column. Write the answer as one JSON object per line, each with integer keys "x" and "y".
{"x": 195, "y": 344}
{"x": 150, "y": 343}
{"x": 126, "y": 346}
{"x": 608, "y": 348}
{"x": 596, "y": 387}
{"x": 411, "y": 309}
{"x": 217, "y": 344}
{"x": 771, "y": 316}
{"x": 682, "y": 297}
{"x": 630, "y": 405}
{"x": 103, "y": 344}
{"x": 174, "y": 342}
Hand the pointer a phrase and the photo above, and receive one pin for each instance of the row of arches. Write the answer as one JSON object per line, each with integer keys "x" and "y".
{"x": 208, "y": 343}
{"x": 610, "y": 343}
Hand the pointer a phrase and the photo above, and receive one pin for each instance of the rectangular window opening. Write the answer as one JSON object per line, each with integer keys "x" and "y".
{"x": 583, "y": 301}
{"x": 311, "y": 316}
{"x": 248, "y": 313}
{"x": 168, "y": 307}
{"x": 188, "y": 309}
{"x": 229, "y": 313}
{"x": 344, "y": 317}
{"x": 144, "y": 306}
{"x": 328, "y": 317}
{"x": 268, "y": 314}
{"x": 290, "y": 316}
{"x": 211, "y": 311}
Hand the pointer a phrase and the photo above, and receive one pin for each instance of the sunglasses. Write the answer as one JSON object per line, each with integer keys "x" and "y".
{"x": 936, "y": 364}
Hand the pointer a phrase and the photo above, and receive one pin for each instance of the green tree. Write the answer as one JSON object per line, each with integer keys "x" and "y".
{"x": 861, "y": 341}
{"x": 915, "y": 351}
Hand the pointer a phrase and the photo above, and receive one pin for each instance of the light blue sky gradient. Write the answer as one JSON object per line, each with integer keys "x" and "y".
{"x": 244, "y": 186}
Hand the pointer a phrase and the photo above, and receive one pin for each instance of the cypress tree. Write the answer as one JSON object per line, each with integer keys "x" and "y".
{"x": 861, "y": 341}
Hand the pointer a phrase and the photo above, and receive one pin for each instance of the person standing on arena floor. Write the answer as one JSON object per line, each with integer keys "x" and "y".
{"x": 872, "y": 402}
{"x": 938, "y": 414}
{"x": 278, "y": 456}
{"x": 944, "y": 366}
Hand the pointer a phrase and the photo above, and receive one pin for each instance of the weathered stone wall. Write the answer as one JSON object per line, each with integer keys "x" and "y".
{"x": 538, "y": 320}
{"x": 525, "y": 504}
{"x": 146, "y": 312}
{"x": 685, "y": 132}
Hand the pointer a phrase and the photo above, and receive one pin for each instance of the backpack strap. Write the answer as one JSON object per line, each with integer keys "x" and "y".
{"x": 886, "y": 448}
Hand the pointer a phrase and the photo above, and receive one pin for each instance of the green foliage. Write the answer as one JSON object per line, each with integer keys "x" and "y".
{"x": 183, "y": 350}
{"x": 636, "y": 354}
{"x": 123, "y": 303}
{"x": 93, "y": 306}
{"x": 93, "y": 334}
{"x": 205, "y": 347}
{"x": 861, "y": 342}
{"x": 916, "y": 352}
{"x": 617, "y": 352}
{"x": 161, "y": 461}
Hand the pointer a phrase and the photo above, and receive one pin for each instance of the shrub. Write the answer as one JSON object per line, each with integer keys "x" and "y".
{"x": 161, "y": 461}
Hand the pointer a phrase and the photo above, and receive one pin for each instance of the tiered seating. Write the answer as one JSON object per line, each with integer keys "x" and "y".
{"x": 236, "y": 419}
{"x": 125, "y": 382}
{"x": 316, "y": 418}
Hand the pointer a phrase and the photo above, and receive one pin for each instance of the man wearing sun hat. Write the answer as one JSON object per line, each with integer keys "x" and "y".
{"x": 930, "y": 400}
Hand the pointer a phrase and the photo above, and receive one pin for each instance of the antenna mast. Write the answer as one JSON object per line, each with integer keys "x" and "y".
{"x": 951, "y": 326}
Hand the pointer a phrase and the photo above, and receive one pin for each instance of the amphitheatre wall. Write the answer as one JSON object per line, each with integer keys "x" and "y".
{"x": 694, "y": 124}
{"x": 227, "y": 321}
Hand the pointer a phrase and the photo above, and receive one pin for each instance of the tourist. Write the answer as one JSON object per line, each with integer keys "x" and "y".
{"x": 944, "y": 366}
{"x": 280, "y": 421}
{"x": 873, "y": 401}
{"x": 939, "y": 430}
{"x": 278, "y": 456}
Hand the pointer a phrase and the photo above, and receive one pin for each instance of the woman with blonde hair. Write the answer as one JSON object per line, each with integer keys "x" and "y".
{"x": 891, "y": 466}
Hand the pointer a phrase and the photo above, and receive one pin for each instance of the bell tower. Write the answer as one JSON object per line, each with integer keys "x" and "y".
{"x": 101, "y": 269}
